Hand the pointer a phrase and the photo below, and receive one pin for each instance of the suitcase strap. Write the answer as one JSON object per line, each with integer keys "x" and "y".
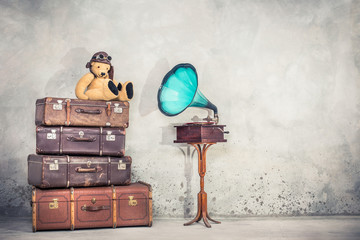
{"x": 67, "y": 123}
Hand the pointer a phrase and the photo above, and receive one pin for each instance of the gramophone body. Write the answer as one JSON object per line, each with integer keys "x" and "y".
{"x": 200, "y": 133}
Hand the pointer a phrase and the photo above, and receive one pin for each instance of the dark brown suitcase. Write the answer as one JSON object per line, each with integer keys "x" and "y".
{"x": 51, "y": 171}
{"x": 74, "y": 208}
{"x": 200, "y": 133}
{"x": 80, "y": 140}
{"x": 77, "y": 112}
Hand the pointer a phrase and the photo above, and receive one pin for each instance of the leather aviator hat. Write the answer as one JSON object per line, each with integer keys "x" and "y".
{"x": 102, "y": 57}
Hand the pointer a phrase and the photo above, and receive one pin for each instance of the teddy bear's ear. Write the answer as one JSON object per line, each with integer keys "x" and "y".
{"x": 111, "y": 73}
{"x": 88, "y": 65}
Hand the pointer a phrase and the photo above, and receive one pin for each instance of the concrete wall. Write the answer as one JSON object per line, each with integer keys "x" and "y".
{"x": 283, "y": 74}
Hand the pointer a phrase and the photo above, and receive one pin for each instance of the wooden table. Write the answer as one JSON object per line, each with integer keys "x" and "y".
{"x": 201, "y": 137}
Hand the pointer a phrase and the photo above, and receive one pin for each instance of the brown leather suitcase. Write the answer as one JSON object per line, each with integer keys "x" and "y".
{"x": 97, "y": 141}
{"x": 74, "y": 208}
{"x": 77, "y": 112}
{"x": 52, "y": 171}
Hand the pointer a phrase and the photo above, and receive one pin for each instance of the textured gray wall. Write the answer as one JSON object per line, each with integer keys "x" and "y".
{"x": 284, "y": 75}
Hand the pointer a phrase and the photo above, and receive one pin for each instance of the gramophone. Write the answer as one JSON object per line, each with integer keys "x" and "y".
{"x": 178, "y": 91}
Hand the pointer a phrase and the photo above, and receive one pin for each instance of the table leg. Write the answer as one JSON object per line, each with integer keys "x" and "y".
{"x": 202, "y": 195}
{"x": 207, "y": 215}
{"x": 198, "y": 215}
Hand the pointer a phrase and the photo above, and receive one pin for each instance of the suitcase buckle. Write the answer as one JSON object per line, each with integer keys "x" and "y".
{"x": 132, "y": 202}
{"x": 54, "y": 205}
{"x": 58, "y": 106}
{"x": 54, "y": 166}
{"x": 108, "y": 109}
{"x": 117, "y": 109}
{"x": 121, "y": 165}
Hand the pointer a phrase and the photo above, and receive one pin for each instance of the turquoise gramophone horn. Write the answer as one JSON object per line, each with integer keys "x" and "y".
{"x": 179, "y": 90}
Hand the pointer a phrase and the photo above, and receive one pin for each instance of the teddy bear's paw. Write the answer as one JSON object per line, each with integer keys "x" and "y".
{"x": 119, "y": 87}
{"x": 129, "y": 90}
{"x": 126, "y": 91}
{"x": 109, "y": 90}
{"x": 113, "y": 88}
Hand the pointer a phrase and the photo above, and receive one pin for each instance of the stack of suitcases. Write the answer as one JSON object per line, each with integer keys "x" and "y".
{"x": 80, "y": 175}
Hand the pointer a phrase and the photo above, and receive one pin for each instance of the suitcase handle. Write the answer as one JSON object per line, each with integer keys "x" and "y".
{"x": 88, "y": 170}
{"x": 80, "y": 110}
{"x": 94, "y": 208}
{"x": 78, "y": 139}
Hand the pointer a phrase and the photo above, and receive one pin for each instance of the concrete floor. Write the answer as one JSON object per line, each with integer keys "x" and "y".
{"x": 334, "y": 227}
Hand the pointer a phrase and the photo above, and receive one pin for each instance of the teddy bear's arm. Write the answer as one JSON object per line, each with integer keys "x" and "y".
{"x": 82, "y": 84}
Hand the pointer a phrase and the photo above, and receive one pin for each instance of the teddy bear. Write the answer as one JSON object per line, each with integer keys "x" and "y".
{"x": 99, "y": 83}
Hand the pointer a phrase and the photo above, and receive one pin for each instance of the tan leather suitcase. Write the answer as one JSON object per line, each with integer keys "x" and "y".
{"x": 74, "y": 208}
{"x": 97, "y": 141}
{"x": 53, "y": 171}
{"x": 76, "y": 112}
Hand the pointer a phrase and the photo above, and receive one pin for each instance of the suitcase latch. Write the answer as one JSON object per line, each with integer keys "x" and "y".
{"x": 81, "y": 134}
{"x": 58, "y": 106}
{"x": 54, "y": 166}
{"x": 51, "y": 135}
{"x": 110, "y": 137}
{"x": 121, "y": 165}
{"x": 117, "y": 109}
{"x": 132, "y": 202}
{"x": 54, "y": 205}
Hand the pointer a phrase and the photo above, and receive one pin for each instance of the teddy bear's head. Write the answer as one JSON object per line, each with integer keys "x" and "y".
{"x": 100, "y": 70}
{"x": 100, "y": 65}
